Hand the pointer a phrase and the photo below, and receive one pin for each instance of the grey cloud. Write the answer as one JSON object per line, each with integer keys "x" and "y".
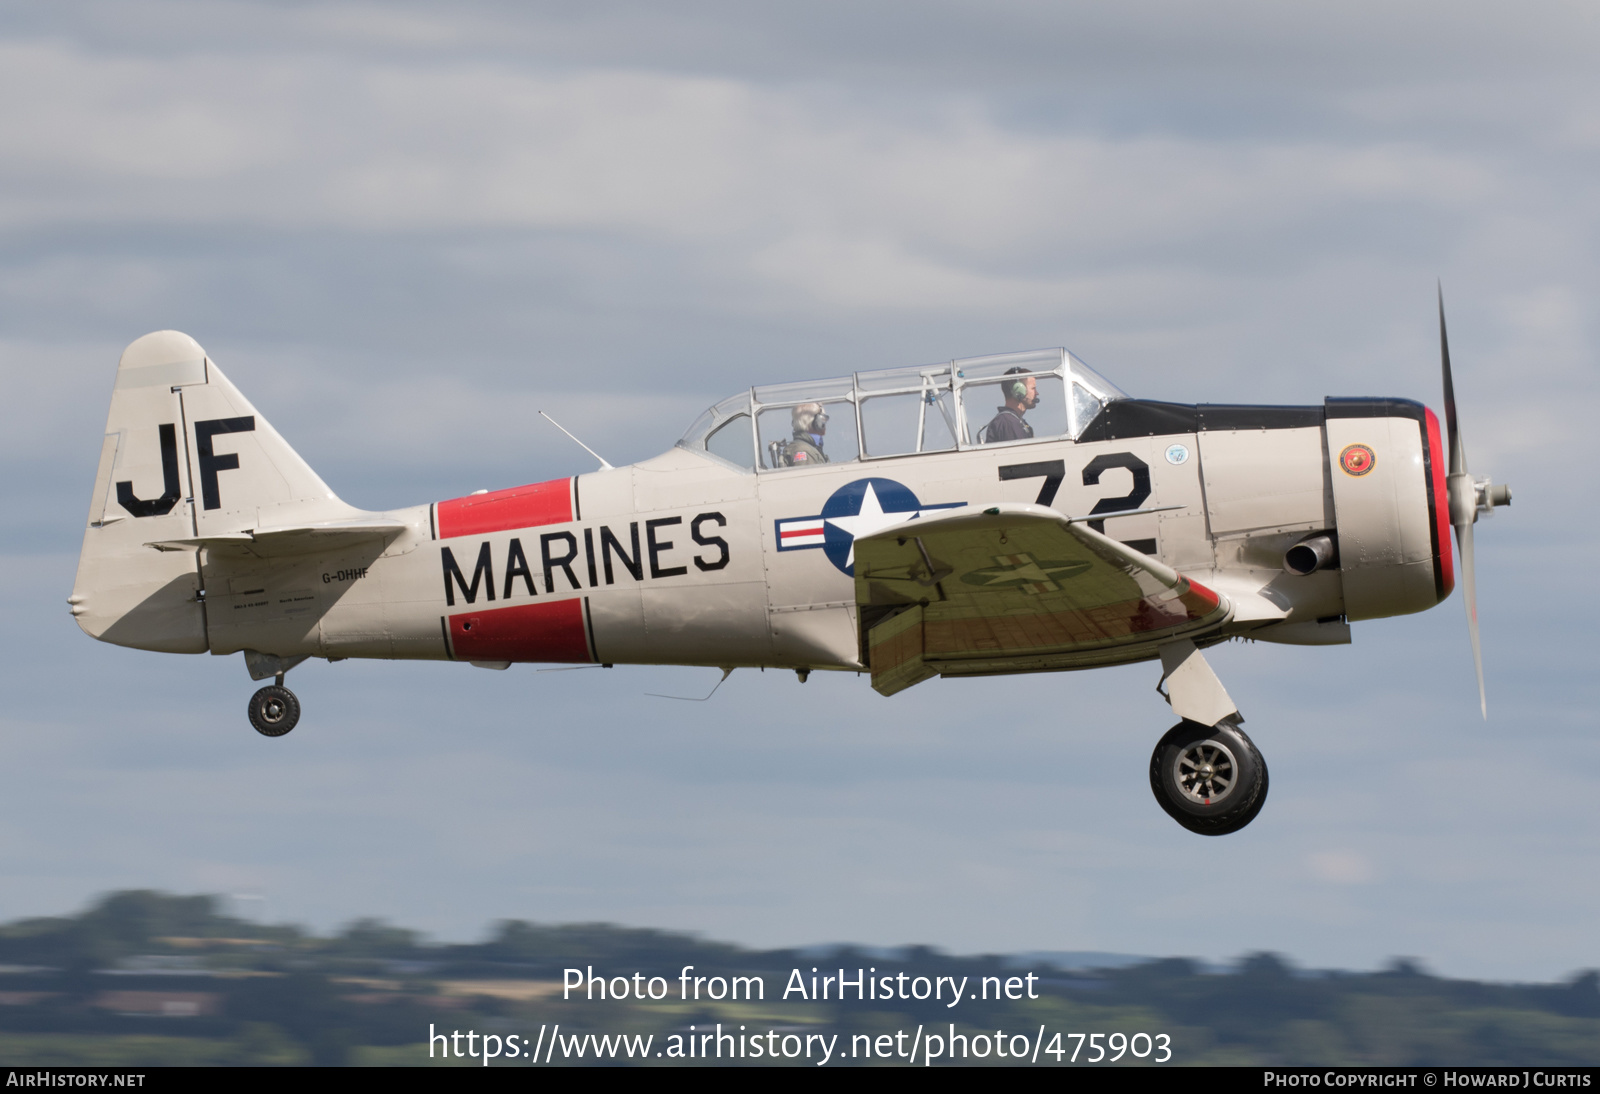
{"x": 948, "y": 42}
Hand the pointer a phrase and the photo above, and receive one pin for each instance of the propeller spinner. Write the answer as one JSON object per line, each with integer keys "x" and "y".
{"x": 1469, "y": 497}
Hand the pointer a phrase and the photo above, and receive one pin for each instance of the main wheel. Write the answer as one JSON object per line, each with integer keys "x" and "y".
{"x": 1210, "y": 779}
{"x": 274, "y": 710}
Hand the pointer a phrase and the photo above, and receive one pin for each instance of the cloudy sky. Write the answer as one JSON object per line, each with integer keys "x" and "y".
{"x": 404, "y": 228}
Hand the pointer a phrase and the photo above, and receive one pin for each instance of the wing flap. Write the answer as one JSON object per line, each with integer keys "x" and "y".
{"x": 895, "y": 652}
{"x": 1011, "y": 588}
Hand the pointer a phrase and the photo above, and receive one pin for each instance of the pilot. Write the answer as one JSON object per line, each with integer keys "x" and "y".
{"x": 810, "y": 423}
{"x": 1007, "y": 425}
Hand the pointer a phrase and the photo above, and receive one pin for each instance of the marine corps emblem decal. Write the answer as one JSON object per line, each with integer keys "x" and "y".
{"x": 1357, "y": 459}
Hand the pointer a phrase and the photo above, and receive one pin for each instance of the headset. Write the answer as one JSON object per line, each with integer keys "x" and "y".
{"x": 1017, "y": 390}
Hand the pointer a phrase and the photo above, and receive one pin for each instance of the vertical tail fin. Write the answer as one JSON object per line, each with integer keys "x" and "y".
{"x": 185, "y": 455}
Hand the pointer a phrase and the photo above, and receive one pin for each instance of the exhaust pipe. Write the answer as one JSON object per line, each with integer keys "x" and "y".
{"x": 1318, "y": 552}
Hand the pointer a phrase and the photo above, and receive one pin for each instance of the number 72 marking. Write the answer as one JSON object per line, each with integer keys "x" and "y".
{"x": 1053, "y": 471}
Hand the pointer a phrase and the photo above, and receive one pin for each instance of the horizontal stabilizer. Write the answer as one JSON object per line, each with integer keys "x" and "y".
{"x": 304, "y": 539}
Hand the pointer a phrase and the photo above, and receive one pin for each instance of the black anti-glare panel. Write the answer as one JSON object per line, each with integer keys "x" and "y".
{"x": 1147, "y": 418}
{"x": 1376, "y": 408}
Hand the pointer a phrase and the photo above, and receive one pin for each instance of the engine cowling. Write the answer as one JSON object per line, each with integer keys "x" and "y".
{"x": 1387, "y": 466}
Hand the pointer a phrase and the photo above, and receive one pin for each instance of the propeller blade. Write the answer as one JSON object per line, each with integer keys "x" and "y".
{"x": 1463, "y": 506}
{"x": 1469, "y": 592}
{"x": 1458, "y": 450}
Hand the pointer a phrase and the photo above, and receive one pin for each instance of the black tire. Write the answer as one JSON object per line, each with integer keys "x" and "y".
{"x": 1210, "y": 779}
{"x": 274, "y": 711}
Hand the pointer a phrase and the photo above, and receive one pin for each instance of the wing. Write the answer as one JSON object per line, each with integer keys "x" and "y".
{"x": 304, "y": 539}
{"x": 1015, "y": 588}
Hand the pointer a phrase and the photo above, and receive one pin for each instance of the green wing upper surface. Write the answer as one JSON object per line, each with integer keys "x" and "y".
{"x": 1014, "y": 588}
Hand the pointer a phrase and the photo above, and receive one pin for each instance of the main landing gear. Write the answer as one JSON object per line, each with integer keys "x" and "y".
{"x": 274, "y": 710}
{"x": 1205, "y": 772}
{"x": 1210, "y": 779}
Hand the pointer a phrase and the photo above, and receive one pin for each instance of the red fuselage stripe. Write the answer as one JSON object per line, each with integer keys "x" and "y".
{"x": 528, "y": 632}
{"x": 503, "y": 510}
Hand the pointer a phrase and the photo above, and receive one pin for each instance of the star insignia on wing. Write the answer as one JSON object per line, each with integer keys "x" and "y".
{"x": 1026, "y": 573}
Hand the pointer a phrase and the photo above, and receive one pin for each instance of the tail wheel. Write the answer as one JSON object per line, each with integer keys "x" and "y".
{"x": 1210, "y": 779}
{"x": 274, "y": 711}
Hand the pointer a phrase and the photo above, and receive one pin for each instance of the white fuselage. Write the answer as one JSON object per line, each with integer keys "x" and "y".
{"x": 682, "y": 559}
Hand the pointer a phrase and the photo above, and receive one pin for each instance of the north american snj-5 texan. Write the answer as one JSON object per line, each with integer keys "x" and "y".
{"x": 1005, "y": 514}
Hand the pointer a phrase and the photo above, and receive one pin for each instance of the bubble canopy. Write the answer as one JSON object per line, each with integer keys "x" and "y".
{"x": 890, "y": 413}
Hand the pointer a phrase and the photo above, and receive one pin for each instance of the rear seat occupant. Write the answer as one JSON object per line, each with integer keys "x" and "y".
{"x": 810, "y": 429}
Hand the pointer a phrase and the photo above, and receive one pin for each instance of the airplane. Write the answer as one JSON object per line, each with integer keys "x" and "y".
{"x": 1004, "y": 514}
